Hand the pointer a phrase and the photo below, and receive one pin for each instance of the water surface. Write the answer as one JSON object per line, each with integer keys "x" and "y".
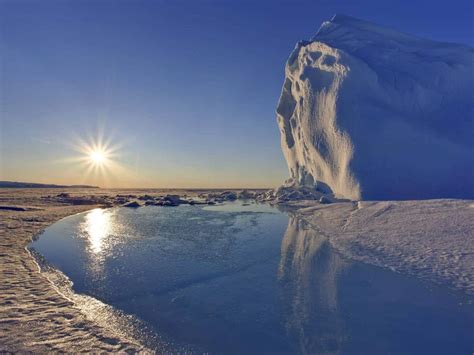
{"x": 250, "y": 280}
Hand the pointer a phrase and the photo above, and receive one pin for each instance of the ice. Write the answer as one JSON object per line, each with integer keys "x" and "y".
{"x": 378, "y": 115}
{"x": 432, "y": 240}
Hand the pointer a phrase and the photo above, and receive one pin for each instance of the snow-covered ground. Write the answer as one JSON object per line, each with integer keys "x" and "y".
{"x": 379, "y": 115}
{"x": 432, "y": 239}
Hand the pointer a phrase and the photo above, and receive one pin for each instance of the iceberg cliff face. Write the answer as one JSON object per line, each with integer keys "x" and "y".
{"x": 377, "y": 114}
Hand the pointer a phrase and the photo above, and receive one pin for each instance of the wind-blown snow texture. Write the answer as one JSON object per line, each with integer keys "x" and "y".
{"x": 432, "y": 240}
{"x": 377, "y": 114}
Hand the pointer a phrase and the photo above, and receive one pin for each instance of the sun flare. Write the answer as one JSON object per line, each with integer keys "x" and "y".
{"x": 97, "y": 157}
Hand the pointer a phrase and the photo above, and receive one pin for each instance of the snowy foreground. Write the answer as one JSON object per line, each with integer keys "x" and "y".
{"x": 376, "y": 114}
{"x": 432, "y": 240}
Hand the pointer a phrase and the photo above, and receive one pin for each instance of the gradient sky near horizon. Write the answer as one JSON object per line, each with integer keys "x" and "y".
{"x": 187, "y": 89}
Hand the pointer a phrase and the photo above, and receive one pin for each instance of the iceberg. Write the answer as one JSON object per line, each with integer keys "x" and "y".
{"x": 375, "y": 114}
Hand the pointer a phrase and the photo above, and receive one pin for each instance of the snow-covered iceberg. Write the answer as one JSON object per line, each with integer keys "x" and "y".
{"x": 377, "y": 114}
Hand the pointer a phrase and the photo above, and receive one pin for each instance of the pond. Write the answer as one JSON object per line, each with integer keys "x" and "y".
{"x": 249, "y": 279}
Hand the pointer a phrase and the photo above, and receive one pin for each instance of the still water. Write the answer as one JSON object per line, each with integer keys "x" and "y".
{"x": 250, "y": 280}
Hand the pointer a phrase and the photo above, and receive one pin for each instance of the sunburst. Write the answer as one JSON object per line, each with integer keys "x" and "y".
{"x": 98, "y": 158}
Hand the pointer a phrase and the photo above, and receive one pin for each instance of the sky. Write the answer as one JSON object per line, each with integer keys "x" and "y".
{"x": 184, "y": 92}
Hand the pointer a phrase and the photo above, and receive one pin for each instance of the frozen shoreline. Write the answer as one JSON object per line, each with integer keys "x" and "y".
{"x": 35, "y": 315}
{"x": 432, "y": 240}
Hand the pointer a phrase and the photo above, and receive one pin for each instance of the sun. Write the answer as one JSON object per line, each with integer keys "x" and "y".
{"x": 97, "y": 157}
{"x": 99, "y": 160}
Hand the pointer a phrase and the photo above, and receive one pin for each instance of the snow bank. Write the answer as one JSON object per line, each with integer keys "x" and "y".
{"x": 432, "y": 240}
{"x": 377, "y": 114}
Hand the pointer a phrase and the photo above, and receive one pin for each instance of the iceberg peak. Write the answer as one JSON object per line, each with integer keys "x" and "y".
{"x": 377, "y": 114}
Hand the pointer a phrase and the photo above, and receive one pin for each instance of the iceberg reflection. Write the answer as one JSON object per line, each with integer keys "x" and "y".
{"x": 308, "y": 276}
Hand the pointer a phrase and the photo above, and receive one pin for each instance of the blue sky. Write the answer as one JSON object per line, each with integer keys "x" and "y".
{"x": 188, "y": 89}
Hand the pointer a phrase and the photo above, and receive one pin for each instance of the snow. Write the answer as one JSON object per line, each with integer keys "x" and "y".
{"x": 431, "y": 240}
{"x": 379, "y": 115}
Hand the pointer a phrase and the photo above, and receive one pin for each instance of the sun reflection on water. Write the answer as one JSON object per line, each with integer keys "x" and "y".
{"x": 98, "y": 226}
